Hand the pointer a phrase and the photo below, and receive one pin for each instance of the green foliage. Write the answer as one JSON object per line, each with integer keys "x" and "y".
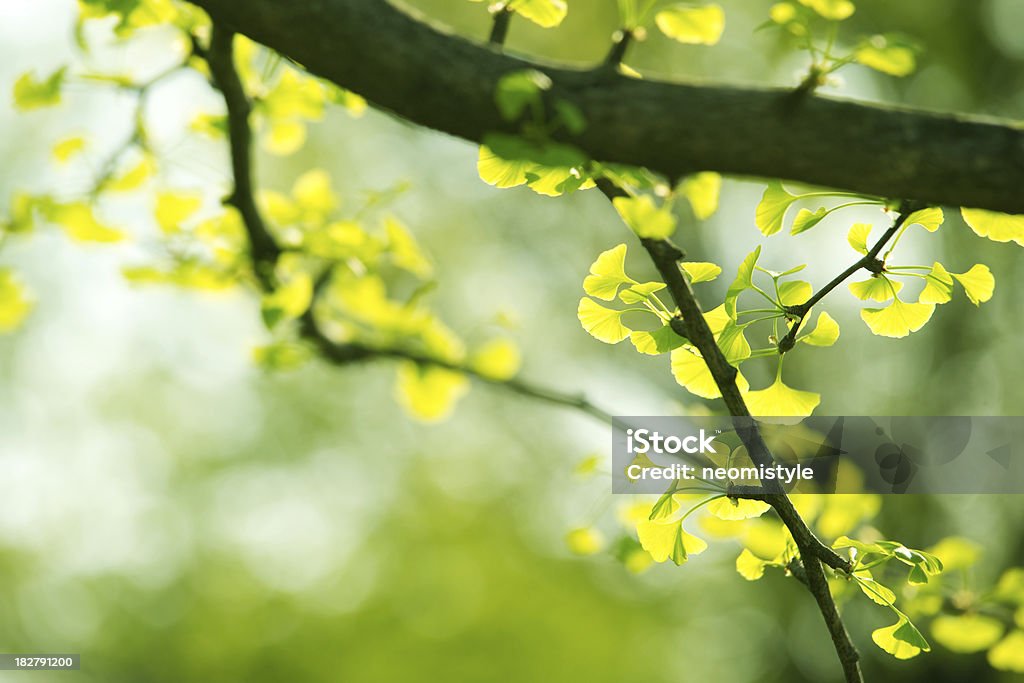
{"x": 15, "y": 303}
{"x": 30, "y": 93}
{"x": 693, "y": 24}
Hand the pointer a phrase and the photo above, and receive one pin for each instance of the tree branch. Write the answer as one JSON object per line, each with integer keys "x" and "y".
{"x": 265, "y": 250}
{"x": 221, "y": 59}
{"x": 813, "y": 552}
{"x": 429, "y": 76}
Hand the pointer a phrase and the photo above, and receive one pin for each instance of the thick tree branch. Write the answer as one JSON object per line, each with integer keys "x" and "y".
{"x": 441, "y": 81}
{"x": 692, "y": 325}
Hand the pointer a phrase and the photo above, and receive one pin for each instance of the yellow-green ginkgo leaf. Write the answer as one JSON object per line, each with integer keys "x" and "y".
{"x": 607, "y": 274}
{"x": 30, "y": 93}
{"x": 639, "y": 292}
{"x": 771, "y": 211}
{"x": 978, "y": 282}
{"x": 692, "y": 373}
{"x": 956, "y": 552}
{"x": 780, "y": 400}
{"x": 881, "y": 54}
{"x": 938, "y": 288}
{"x": 858, "y": 237}
{"x": 702, "y": 190}
{"x": 288, "y": 301}
{"x": 875, "y": 591}
{"x": 405, "y": 251}
{"x": 930, "y": 219}
{"x": 545, "y": 13}
{"x": 603, "y": 324}
{"x": 744, "y": 280}
{"x": 656, "y": 342}
{"x": 700, "y": 272}
{"x": 312, "y": 191}
{"x": 826, "y": 332}
{"x": 15, "y": 304}
{"x": 807, "y": 219}
{"x": 1008, "y": 655}
{"x": 584, "y": 541}
{"x": 497, "y": 359}
{"x": 285, "y": 137}
{"x": 691, "y": 24}
{"x": 732, "y": 509}
{"x": 668, "y": 541}
{"x": 794, "y": 292}
{"x": 878, "y": 288}
{"x": 79, "y": 222}
{"x": 902, "y": 640}
{"x": 133, "y": 177}
{"x": 967, "y": 633}
{"x": 68, "y": 148}
{"x": 898, "y": 319}
{"x": 998, "y": 227}
{"x": 733, "y": 343}
{"x": 836, "y": 10}
{"x": 644, "y": 218}
{"x": 174, "y": 208}
{"x": 750, "y": 566}
{"x": 501, "y": 173}
{"x": 429, "y": 393}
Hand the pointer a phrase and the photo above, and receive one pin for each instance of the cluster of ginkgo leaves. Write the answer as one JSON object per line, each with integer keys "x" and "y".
{"x": 361, "y": 270}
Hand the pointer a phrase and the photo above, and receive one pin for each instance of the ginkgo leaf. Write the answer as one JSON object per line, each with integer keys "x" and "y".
{"x": 836, "y": 10}
{"x": 499, "y": 172}
{"x": 133, "y": 177}
{"x": 584, "y": 541}
{"x": 498, "y": 359}
{"x": 876, "y": 592}
{"x": 429, "y": 393}
{"x": 607, "y": 274}
{"x": 750, "y": 566}
{"x": 938, "y": 288}
{"x": 692, "y": 373}
{"x": 807, "y": 219}
{"x": 967, "y": 633}
{"x": 174, "y": 208}
{"x": 641, "y": 291}
{"x": 876, "y": 288}
{"x": 604, "y": 324}
{"x": 288, "y": 301}
{"x": 15, "y": 303}
{"x": 858, "y": 237}
{"x": 312, "y": 192}
{"x": 794, "y": 292}
{"x": 771, "y": 211}
{"x": 780, "y": 400}
{"x": 545, "y": 13}
{"x": 731, "y": 509}
{"x": 79, "y": 222}
{"x": 898, "y": 319}
{"x": 902, "y": 640}
{"x": 978, "y": 283}
{"x": 930, "y": 219}
{"x": 733, "y": 343}
{"x": 519, "y": 91}
{"x": 998, "y": 227}
{"x": 882, "y": 54}
{"x": 702, "y": 190}
{"x": 701, "y": 272}
{"x": 30, "y": 93}
{"x": 662, "y": 340}
{"x": 68, "y": 148}
{"x": 285, "y": 137}
{"x": 405, "y": 251}
{"x": 668, "y": 541}
{"x": 744, "y": 280}
{"x": 695, "y": 25}
{"x": 644, "y": 218}
{"x": 1008, "y": 654}
{"x": 826, "y": 332}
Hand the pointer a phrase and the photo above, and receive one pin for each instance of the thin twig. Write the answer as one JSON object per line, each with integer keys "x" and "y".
{"x": 868, "y": 262}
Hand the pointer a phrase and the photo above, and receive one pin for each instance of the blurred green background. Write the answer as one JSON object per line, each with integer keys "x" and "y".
{"x": 173, "y": 513}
